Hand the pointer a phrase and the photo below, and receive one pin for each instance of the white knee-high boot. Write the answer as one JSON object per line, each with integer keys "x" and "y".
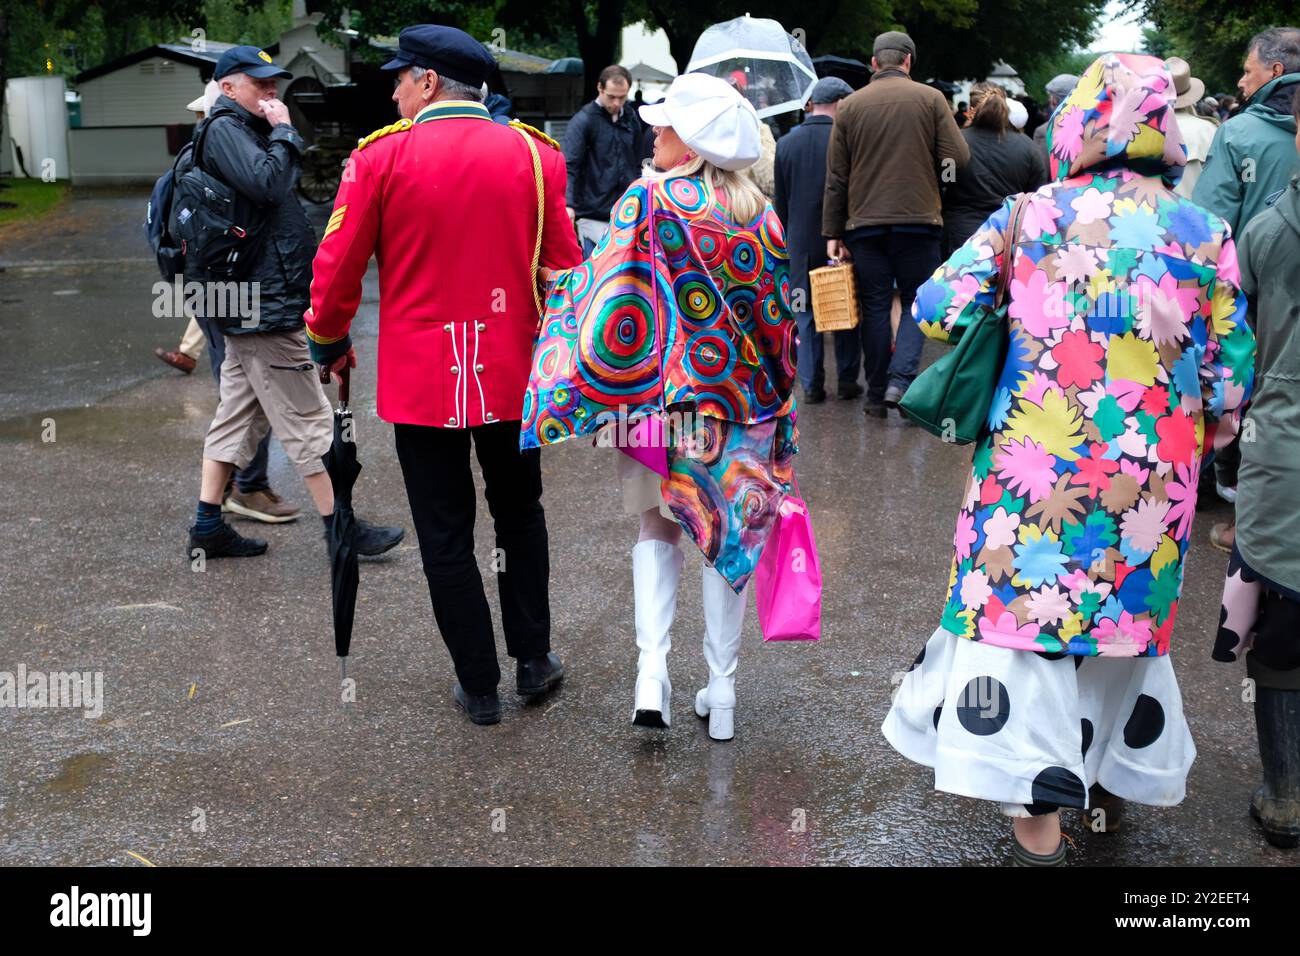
{"x": 656, "y": 569}
{"x": 724, "y": 618}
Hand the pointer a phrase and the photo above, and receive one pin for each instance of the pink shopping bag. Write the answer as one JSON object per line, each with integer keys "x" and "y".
{"x": 646, "y": 443}
{"x": 788, "y": 579}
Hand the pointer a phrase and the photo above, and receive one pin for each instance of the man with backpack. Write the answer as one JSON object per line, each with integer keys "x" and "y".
{"x": 240, "y": 228}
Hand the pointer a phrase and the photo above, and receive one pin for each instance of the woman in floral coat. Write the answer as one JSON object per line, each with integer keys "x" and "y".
{"x": 1048, "y": 683}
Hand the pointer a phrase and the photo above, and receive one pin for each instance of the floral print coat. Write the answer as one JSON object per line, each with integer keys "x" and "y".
{"x": 1128, "y": 343}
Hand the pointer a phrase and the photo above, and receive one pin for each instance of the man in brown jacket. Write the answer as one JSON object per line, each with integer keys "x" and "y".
{"x": 893, "y": 143}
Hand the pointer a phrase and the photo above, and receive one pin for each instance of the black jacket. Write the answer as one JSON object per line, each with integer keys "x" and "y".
{"x": 262, "y": 164}
{"x": 800, "y": 184}
{"x": 602, "y": 158}
{"x": 999, "y": 167}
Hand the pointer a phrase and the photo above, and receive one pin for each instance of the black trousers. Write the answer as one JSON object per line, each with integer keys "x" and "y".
{"x": 440, "y": 487}
{"x": 882, "y": 262}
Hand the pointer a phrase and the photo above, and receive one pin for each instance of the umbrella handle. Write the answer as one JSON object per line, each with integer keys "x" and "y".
{"x": 345, "y": 382}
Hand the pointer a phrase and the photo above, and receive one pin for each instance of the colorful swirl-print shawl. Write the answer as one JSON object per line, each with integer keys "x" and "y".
{"x": 727, "y": 361}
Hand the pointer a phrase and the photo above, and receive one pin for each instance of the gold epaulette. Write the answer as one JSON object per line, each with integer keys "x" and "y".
{"x": 535, "y": 133}
{"x": 398, "y": 127}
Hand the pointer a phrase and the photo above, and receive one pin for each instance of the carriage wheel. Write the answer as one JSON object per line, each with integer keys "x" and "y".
{"x": 321, "y": 175}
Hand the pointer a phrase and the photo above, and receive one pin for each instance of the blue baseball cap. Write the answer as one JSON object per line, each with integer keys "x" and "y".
{"x": 445, "y": 50}
{"x": 248, "y": 59}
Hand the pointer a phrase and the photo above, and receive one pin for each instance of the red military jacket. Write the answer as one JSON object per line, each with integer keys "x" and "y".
{"x": 447, "y": 204}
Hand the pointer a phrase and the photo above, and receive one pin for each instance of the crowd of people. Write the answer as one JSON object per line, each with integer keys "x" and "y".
{"x": 642, "y": 268}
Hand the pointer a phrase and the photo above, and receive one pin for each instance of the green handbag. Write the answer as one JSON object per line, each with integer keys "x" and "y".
{"x": 951, "y": 398}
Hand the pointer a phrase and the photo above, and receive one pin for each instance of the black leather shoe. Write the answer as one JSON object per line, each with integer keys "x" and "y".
{"x": 376, "y": 539}
{"x": 225, "y": 542}
{"x": 483, "y": 709}
{"x": 875, "y": 410}
{"x": 849, "y": 391}
{"x": 538, "y": 675}
{"x": 814, "y": 396}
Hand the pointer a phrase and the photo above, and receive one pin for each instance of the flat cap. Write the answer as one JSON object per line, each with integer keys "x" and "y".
{"x": 894, "y": 40}
{"x": 829, "y": 89}
{"x": 1062, "y": 85}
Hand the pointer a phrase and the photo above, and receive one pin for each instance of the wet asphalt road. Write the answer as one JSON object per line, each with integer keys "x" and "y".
{"x": 223, "y": 738}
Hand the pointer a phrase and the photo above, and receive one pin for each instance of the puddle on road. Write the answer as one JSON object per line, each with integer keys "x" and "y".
{"x": 77, "y": 772}
{"x": 106, "y": 424}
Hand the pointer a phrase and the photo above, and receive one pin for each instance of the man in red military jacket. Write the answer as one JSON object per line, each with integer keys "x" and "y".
{"x": 447, "y": 202}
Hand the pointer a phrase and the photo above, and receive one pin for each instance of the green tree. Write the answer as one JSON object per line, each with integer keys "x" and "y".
{"x": 956, "y": 39}
{"x": 1073, "y": 62}
{"x": 589, "y": 28}
{"x": 1212, "y": 37}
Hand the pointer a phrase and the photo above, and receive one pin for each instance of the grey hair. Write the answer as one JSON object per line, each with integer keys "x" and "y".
{"x": 453, "y": 88}
{"x": 1278, "y": 45}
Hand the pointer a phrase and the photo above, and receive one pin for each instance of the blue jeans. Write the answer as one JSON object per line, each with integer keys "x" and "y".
{"x": 252, "y": 477}
{"x": 811, "y": 355}
{"x": 883, "y": 259}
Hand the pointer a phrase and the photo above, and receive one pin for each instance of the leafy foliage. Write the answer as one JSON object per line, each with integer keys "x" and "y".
{"x": 1212, "y": 36}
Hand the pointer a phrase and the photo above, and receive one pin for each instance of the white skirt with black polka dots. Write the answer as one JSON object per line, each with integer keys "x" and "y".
{"x": 1030, "y": 730}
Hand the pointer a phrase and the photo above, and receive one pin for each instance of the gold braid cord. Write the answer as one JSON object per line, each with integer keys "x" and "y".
{"x": 541, "y": 211}
{"x": 399, "y": 127}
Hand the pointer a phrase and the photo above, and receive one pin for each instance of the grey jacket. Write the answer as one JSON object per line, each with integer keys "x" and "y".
{"x": 262, "y": 164}
{"x": 1268, "y": 484}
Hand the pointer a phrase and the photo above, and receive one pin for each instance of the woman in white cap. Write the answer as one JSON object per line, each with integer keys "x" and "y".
{"x": 684, "y": 306}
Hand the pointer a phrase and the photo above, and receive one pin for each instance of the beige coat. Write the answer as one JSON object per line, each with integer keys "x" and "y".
{"x": 1198, "y": 134}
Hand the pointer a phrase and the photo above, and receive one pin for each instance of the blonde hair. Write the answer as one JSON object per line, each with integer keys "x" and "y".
{"x": 744, "y": 201}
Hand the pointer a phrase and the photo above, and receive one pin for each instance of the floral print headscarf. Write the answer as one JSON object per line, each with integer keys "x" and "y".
{"x": 1120, "y": 114}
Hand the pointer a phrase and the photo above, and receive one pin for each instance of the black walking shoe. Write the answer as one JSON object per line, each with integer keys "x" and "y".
{"x": 538, "y": 675}
{"x": 483, "y": 709}
{"x": 225, "y": 542}
{"x": 875, "y": 410}
{"x": 376, "y": 539}
{"x": 848, "y": 391}
{"x": 814, "y": 396}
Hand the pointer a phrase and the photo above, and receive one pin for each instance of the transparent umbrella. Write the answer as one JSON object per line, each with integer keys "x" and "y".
{"x": 769, "y": 66}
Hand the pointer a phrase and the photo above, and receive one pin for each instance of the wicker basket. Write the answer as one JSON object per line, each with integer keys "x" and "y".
{"x": 834, "y": 298}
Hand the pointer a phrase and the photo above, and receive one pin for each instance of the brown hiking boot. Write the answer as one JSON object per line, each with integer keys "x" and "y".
{"x": 264, "y": 506}
{"x": 177, "y": 360}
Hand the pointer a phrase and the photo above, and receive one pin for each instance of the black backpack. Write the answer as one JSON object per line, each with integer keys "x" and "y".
{"x": 165, "y": 247}
{"x": 214, "y": 231}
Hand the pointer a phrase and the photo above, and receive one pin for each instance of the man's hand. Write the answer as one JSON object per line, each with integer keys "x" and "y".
{"x": 347, "y": 360}
{"x": 569, "y": 210}
{"x": 835, "y": 249}
{"x": 274, "y": 110}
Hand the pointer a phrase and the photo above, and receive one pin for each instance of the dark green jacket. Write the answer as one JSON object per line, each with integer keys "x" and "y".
{"x": 1268, "y": 485}
{"x": 1253, "y": 156}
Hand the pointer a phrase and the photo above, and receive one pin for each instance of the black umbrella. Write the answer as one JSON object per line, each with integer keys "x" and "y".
{"x": 342, "y": 465}
{"x": 853, "y": 72}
